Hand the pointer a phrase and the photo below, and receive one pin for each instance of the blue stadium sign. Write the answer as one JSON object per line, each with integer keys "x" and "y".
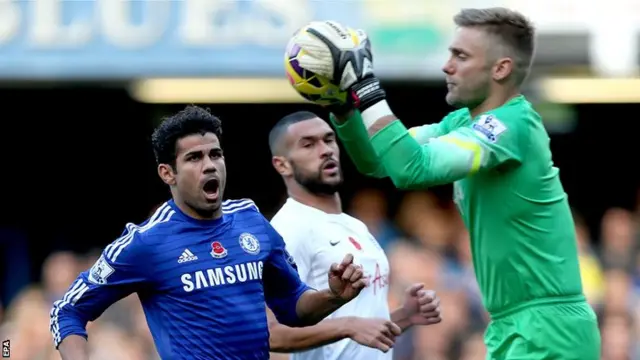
{"x": 64, "y": 39}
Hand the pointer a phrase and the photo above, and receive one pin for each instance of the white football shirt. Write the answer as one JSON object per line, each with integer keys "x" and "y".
{"x": 316, "y": 239}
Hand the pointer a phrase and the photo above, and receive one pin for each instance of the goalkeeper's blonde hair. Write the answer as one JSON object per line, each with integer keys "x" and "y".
{"x": 513, "y": 30}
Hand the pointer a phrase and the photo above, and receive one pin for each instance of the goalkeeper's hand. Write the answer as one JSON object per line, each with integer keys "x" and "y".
{"x": 329, "y": 52}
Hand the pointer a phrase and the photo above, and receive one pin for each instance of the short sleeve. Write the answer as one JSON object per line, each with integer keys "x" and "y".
{"x": 282, "y": 284}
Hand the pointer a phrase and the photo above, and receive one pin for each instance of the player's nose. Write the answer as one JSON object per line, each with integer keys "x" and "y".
{"x": 447, "y": 68}
{"x": 326, "y": 150}
{"x": 326, "y": 154}
{"x": 209, "y": 166}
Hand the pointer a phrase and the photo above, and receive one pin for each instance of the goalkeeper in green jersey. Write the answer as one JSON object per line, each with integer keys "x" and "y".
{"x": 495, "y": 151}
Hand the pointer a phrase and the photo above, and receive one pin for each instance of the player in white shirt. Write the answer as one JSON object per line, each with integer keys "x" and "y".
{"x": 317, "y": 233}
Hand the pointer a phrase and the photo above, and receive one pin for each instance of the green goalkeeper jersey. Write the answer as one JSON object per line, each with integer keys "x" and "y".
{"x": 506, "y": 189}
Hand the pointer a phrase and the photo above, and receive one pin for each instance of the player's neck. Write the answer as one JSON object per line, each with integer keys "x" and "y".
{"x": 331, "y": 204}
{"x": 192, "y": 213}
{"x": 495, "y": 100}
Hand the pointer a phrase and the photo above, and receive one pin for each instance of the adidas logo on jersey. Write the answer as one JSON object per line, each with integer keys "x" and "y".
{"x": 186, "y": 256}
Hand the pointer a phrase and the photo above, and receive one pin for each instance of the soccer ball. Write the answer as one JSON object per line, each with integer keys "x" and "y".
{"x": 311, "y": 86}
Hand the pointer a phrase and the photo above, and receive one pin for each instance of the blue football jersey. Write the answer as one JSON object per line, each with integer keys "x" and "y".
{"x": 203, "y": 284}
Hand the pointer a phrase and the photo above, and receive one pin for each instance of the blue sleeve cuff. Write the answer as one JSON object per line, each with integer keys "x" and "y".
{"x": 72, "y": 329}
{"x": 285, "y": 310}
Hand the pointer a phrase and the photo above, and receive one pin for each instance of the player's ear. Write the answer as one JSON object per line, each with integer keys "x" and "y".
{"x": 166, "y": 173}
{"x": 281, "y": 165}
{"x": 502, "y": 69}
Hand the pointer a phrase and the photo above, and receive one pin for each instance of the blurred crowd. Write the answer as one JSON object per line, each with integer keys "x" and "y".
{"x": 425, "y": 242}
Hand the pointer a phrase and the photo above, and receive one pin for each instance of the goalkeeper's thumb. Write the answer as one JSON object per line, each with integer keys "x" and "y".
{"x": 358, "y": 76}
{"x": 365, "y": 89}
{"x": 358, "y": 63}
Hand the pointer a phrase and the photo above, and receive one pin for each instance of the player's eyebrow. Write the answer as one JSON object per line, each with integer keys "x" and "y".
{"x": 190, "y": 153}
{"x": 307, "y": 138}
{"x": 216, "y": 149}
{"x": 316, "y": 137}
{"x": 457, "y": 50}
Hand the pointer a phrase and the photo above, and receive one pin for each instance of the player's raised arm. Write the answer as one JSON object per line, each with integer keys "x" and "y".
{"x": 116, "y": 274}
{"x": 489, "y": 142}
{"x": 486, "y": 143}
{"x": 292, "y": 301}
{"x": 364, "y": 157}
{"x": 355, "y": 140}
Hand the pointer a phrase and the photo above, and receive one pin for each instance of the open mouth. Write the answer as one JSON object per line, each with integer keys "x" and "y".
{"x": 330, "y": 166}
{"x": 211, "y": 189}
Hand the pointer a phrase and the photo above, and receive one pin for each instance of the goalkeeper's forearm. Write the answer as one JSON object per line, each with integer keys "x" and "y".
{"x": 370, "y": 99}
{"x": 409, "y": 164}
{"x": 355, "y": 140}
{"x": 413, "y": 166}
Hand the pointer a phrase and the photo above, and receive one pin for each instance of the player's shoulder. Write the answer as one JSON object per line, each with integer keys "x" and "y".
{"x": 239, "y": 206}
{"x": 294, "y": 216}
{"x": 514, "y": 117}
{"x": 457, "y": 114}
{"x": 244, "y": 211}
{"x": 455, "y": 119}
{"x": 136, "y": 237}
{"x": 161, "y": 222}
{"x": 291, "y": 228}
{"x": 515, "y": 113}
{"x": 295, "y": 224}
{"x": 287, "y": 213}
{"x": 353, "y": 221}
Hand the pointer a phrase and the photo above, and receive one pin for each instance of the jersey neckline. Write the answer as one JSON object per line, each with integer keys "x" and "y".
{"x": 190, "y": 219}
